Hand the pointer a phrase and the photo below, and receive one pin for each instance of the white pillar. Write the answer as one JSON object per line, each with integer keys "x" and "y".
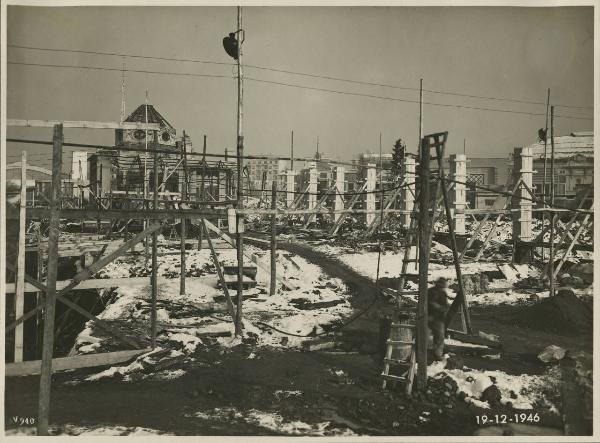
{"x": 339, "y": 186}
{"x": 408, "y": 191}
{"x": 313, "y": 186}
{"x": 290, "y": 187}
{"x": 458, "y": 195}
{"x": 313, "y": 181}
{"x": 370, "y": 194}
{"x": 526, "y": 212}
{"x": 522, "y": 169}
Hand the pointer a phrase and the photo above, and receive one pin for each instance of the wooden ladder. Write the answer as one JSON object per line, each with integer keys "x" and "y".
{"x": 437, "y": 142}
{"x": 401, "y": 339}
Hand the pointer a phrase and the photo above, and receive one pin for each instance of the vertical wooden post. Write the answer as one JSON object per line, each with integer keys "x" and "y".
{"x": 20, "y": 277}
{"x": 154, "y": 279}
{"x": 545, "y": 170}
{"x": 49, "y": 311}
{"x": 202, "y": 172}
{"x": 551, "y": 264}
{"x": 39, "y": 296}
{"x": 240, "y": 177}
{"x": 424, "y": 235}
{"x": 184, "y": 193}
{"x": 273, "y": 288}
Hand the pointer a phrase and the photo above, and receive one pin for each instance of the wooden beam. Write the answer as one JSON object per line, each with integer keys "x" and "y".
{"x": 76, "y": 362}
{"x": 424, "y": 231}
{"x": 219, "y": 272}
{"x": 273, "y": 281}
{"x": 81, "y": 124}
{"x": 50, "y": 301}
{"x": 100, "y": 283}
{"x": 126, "y": 214}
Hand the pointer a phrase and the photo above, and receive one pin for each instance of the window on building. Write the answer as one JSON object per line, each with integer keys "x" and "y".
{"x": 476, "y": 179}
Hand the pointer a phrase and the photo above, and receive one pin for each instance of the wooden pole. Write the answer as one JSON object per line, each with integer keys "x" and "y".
{"x": 53, "y": 234}
{"x": 545, "y": 167}
{"x": 273, "y": 288}
{"x": 40, "y": 297}
{"x": 20, "y": 277}
{"x": 424, "y": 235}
{"x": 292, "y": 153}
{"x": 240, "y": 187}
{"x": 183, "y": 222}
{"x": 202, "y": 172}
{"x": 154, "y": 279}
{"x": 551, "y": 267}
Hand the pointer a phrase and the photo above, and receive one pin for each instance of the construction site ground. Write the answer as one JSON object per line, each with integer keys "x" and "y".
{"x": 253, "y": 387}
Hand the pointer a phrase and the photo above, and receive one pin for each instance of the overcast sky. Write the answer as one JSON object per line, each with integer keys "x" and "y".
{"x": 514, "y": 53}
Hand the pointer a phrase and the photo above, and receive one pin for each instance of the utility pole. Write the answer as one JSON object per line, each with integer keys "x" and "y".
{"x": 551, "y": 267}
{"x": 545, "y": 168}
{"x": 240, "y": 153}
{"x": 145, "y": 175}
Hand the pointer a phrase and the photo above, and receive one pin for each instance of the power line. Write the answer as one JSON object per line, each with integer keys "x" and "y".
{"x": 304, "y": 74}
{"x": 356, "y": 94}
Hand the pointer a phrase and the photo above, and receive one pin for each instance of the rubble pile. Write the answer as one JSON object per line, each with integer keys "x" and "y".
{"x": 564, "y": 314}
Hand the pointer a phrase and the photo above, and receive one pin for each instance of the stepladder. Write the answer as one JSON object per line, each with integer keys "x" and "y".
{"x": 399, "y": 363}
{"x": 414, "y": 237}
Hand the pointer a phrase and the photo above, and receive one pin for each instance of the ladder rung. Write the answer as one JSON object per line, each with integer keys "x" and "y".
{"x": 393, "y": 377}
{"x": 409, "y": 293}
{"x": 397, "y": 362}
{"x": 399, "y": 342}
{"x": 403, "y": 325}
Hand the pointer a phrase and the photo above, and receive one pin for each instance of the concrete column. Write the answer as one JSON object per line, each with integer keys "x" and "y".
{"x": 313, "y": 186}
{"x": 408, "y": 192}
{"x": 370, "y": 195}
{"x": 523, "y": 168}
{"x": 313, "y": 182}
{"x": 339, "y": 185}
{"x": 290, "y": 187}
{"x": 458, "y": 194}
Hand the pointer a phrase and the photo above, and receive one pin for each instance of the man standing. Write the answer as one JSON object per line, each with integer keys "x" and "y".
{"x": 437, "y": 306}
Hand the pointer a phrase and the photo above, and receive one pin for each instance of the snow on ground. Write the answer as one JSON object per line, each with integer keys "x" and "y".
{"x": 273, "y": 422}
{"x": 365, "y": 263}
{"x": 522, "y": 391}
{"x": 131, "y": 431}
{"x": 295, "y": 311}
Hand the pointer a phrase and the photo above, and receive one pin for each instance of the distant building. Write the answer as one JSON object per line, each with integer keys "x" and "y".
{"x": 269, "y": 167}
{"x": 39, "y": 184}
{"x": 573, "y": 165}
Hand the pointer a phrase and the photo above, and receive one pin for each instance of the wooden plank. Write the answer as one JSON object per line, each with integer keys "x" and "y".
{"x": 125, "y": 214}
{"x": 219, "y": 272}
{"x": 20, "y": 277}
{"x": 102, "y": 283}
{"x": 32, "y": 367}
{"x": 81, "y": 124}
